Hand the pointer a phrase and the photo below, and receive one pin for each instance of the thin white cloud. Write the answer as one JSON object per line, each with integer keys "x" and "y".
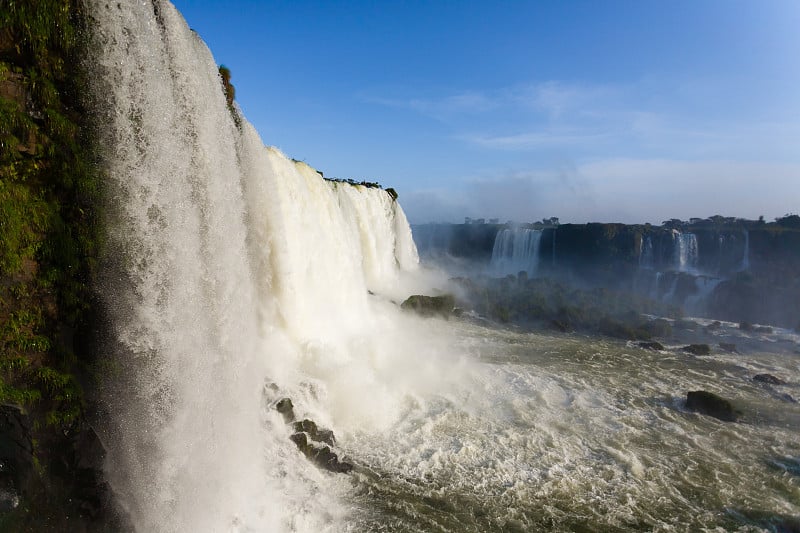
{"x": 618, "y": 190}
{"x": 465, "y": 102}
{"x": 530, "y": 140}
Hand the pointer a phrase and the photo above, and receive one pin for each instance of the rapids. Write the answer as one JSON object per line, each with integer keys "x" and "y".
{"x": 230, "y": 271}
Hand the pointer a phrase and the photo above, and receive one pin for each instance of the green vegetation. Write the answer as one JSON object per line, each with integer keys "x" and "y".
{"x": 48, "y": 226}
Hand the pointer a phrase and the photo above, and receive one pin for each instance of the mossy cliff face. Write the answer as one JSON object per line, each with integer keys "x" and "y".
{"x": 48, "y": 244}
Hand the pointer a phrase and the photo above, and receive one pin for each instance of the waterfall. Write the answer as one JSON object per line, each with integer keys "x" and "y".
{"x": 685, "y": 251}
{"x": 229, "y": 267}
{"x": 515, "y": 250}
{"x": 745, "y": 265}
{"x": 647, "y": 255}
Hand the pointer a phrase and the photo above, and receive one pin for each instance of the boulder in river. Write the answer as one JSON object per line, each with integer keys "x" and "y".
{"x": 710, "y": 404}
{"x": 284, "y": 406}
{"x": 651, "y": 345}
{"x": 769, "y": 379}
{"x": 313, "y": 441}
{"x": 697, "y": 349}
{"x": 430, "y": 305}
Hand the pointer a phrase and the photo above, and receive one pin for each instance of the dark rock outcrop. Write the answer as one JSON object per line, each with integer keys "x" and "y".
{"x": 315, "y": 433}
{"x": 769, "y": 379}
{"x": 320, "y": 454}
{"x": 728, "y": 347}
{"x": 284, "y": 407}
{"x": 74, "y": 472}
{"x": 430, "y": 305}
{"x": 710, "y": 404}
{"x": 16, "y": 457}
{"x": 313, "y": 441}
{"x": 651, "y": 345}
{"x": 697, "y": 349}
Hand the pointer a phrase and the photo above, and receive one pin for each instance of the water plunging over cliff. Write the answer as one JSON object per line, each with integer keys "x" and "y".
{"x": 233, "y": 276}
{"x": 685, "y": 251}
{"x": 229, "y": 266}
{"x": 746, "y": 254}
{"x": 646, "y": 254}
{"x": 515, "y": 250}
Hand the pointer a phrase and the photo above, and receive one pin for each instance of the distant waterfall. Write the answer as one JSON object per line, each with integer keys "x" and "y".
{"x": 746, "y": 253}
{"x": 515, "y": 250}
{"x": 685, "y": 251}
{"x": 647, "y": 254}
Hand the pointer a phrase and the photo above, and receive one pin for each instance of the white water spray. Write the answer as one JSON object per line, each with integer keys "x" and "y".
{"x": 229, "y": 266}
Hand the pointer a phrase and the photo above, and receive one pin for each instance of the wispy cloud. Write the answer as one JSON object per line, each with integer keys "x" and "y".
{"x": 533, "y": 140}
{"x": 645, "y": 118}
{"x": 466, "y": 102}
{"x": 616, "y": 190}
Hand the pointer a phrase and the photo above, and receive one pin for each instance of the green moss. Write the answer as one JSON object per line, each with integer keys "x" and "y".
{"x": 49, "y": 187}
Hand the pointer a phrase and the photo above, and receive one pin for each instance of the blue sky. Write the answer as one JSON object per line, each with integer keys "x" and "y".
{"x": 610, "y": 111}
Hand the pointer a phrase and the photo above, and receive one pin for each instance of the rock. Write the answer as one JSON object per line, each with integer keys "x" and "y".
{"x": 710, "y": 404}
{"x": 315, "y": 433}
{"x": 763, "y": 329}
{"x": 697, "y": 349}
{"x": 312, "y": 441}
{"x": 728, "y": 347}
{"x": 651, "y": 345}
{"x": 300, "y": 440}
{"x": 714, "y": 326}
{"x": 768, "y": 378}
{"x": 392, "y": 193}
{"x": 786, "y": 398}
{"x": 327, "y": 459}
{"x": 322, "y": 455}
{"x": 75, "y": 481}
{"x": 745, "y": 326}
{"x": 285, "y": 407}
{"x": 16, "y": 453}
{"x": 430, "y": 305}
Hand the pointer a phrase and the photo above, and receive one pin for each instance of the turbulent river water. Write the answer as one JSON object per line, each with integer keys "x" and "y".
{"x": 233, "y": 277}
{"x": 578, "y": 434}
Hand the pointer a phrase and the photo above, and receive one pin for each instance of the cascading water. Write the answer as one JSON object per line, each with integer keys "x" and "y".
{"x": 745, "y": 265}
{"x": 515, "y": 250}
{"x": 685, "y": 251}
{"x": 228, "y": 267}
{"x": 231, "y": 271}
{"x": 646, "y": 255}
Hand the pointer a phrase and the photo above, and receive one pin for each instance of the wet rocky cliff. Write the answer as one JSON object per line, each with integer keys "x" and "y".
{"x": 725, "y": 268}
